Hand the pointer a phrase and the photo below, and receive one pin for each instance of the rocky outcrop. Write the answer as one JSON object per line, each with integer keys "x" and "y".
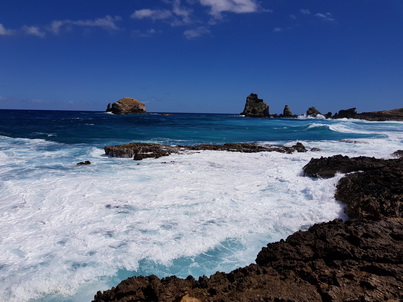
{"x": 147, "y": 150}
{"x": 357, "y": 260}
{"x": 346, "y": 113}
{"x": 287, "y": 112}
{"x": 326, "y": 167}
{"x": 255, "y": 107}
{"x": 127, "y": 106}
{"x": 312, "y": 111}
{"x": 385, "y": 115}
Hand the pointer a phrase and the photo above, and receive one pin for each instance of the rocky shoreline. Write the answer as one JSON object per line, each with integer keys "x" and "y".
{"x": 357, "y": 260}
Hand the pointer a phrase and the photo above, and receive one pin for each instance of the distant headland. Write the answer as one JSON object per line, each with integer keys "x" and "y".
{"x": 255, "y": 107}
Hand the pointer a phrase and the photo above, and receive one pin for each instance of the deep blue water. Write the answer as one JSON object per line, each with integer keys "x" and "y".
{"x": 100, "y": 128}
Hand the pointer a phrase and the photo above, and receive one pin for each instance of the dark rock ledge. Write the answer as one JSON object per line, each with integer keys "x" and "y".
{"x": 139, "y": 151}
{"x": 357, "y": 260}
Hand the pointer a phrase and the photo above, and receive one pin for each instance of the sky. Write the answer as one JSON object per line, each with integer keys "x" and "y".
{"x": 201, "y": 55}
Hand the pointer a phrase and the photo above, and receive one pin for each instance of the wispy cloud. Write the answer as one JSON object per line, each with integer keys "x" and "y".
{"x": 277, "y": 29}
{"x": 106, "y": 23}
{"x": 6, "y": 32}
{"x": 325, "y": 16}
{"x": 34, "y": 31}
{"x": 305, "y": 11}
{"x": 195, "y": 33}
{"x": 176, "y": 15}
{"x": 154, "y": 14}
{"x": 217, "y": 7}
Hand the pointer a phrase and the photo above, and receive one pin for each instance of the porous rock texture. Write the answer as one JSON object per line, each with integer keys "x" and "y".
{"x": 358, "y": 260}
{"x": 126, "y": 106}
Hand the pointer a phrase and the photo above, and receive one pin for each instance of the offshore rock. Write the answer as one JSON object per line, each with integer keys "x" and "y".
{"x": 346, "y": 113}
{"x": 255, "y": 107}
{"x": 287, "y": 112}
{"x": 127, "y": 106}
{"x": 312, "y": 111}
{"x": 139, "y": 151}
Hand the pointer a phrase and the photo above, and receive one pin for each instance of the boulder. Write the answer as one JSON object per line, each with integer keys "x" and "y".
{"x": 127, "y": 106}
{"x": 255, "y": 107}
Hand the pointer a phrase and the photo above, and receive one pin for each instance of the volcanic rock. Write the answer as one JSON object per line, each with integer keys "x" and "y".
{"x": 312, "y": 111}
{"x": 346, "y": 113}
{"x": 255, "y": 107}
{"x": 139, "y": 151}
{"x": 287, "y": 112}
{"x": 385, "y": 115}
{"x": 327, "y": 167}
{"x": 127, "y": 106}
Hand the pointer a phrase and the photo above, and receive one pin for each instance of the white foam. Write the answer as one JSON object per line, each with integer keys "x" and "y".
{"x": 68, "y": 230}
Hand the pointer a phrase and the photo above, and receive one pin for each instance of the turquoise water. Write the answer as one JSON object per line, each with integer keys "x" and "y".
{"x": 69, "y": 231}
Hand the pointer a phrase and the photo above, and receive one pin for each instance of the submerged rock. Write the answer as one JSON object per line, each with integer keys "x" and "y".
{"x": 255, "y": 107}
{"x": 126, "y": 106}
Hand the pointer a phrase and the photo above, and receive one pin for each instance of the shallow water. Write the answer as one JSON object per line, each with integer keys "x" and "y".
{"x": 68, "y": 230}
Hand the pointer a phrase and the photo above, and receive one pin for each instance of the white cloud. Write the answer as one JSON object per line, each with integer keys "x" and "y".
{"x": 277, "y": 29}
{"x": 6, "y": 32}
{"x": 195, "y": 33}
{"x": 147, "y": 33}
{"x": 154, "y": 14}
{"x": 217, "y": 7}
{"x": 107, "y": 23}
{"x": 305, "y": 11}
{"x": 182, "y": 12}
{"x": 325, "y": 16}
{"x": 34, "y": 31}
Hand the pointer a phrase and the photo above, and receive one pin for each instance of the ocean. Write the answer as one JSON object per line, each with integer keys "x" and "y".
{"x": 68, "y": 231}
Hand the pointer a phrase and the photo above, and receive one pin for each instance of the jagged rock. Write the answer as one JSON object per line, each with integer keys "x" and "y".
{"x": 346, "y": 113}
{"x": 127, "y": 106}
{"x": 326, "y": 167}
{"x": 255, "y": 107}
{"x": 287, "y": 111}
{"x": 312, "y": 111}
{"x": 82, "y": 163}
{"x": 385, "y": 115}
{"x": 333, "y": 261}
{"x": 147, "y": 150}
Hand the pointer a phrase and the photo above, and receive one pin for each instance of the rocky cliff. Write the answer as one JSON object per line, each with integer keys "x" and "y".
{"x": 357, "y": 260}
{"x": 255, "y": 107}
{"x": 385, "y": 115}
{"x": 126, "y": 106}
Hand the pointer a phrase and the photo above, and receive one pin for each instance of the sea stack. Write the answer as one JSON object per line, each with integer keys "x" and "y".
{"x": 287, "y": 111}
{"x": 127, "y": 106}
{"x": 255, "y": 107}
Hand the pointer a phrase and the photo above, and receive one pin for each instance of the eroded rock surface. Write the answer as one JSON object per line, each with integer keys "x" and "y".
{"x": 126, "y": 106}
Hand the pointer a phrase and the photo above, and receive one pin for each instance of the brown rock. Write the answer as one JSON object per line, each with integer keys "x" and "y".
{"x": 255, "y": 107}
{"x": 127, "y": 106}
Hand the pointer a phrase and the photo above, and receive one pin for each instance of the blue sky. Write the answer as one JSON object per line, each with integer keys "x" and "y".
{"x": 201, "y": 55}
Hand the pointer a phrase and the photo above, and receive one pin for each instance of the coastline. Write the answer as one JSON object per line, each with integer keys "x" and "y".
{"x": 360, "y": 259}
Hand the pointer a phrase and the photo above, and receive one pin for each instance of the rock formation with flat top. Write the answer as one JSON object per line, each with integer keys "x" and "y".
{"x": 127, "y": 106}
